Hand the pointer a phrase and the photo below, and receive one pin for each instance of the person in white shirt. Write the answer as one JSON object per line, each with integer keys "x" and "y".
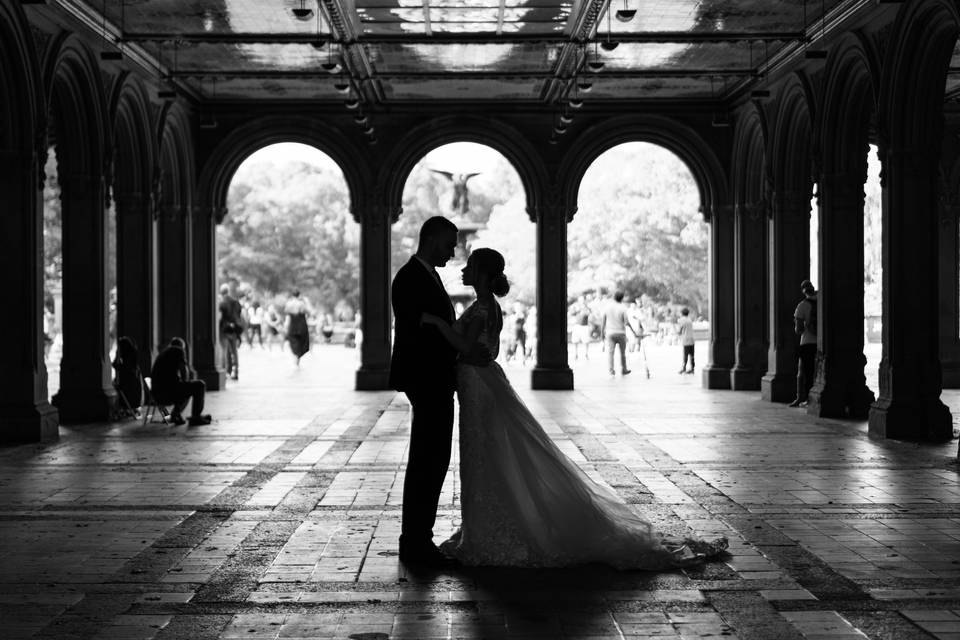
{"x": 805, "y": 325}
{"x": 685, "y": 329}
{"x": 614, "y": 330}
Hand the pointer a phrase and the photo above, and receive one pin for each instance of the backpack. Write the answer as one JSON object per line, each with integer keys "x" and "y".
{"x": 812, "y": 325}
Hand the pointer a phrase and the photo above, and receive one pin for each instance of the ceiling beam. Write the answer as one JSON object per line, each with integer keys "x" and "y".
{"x": 353, "y": 58}
{"x": 472, "y": 75}
{"x": 679, "y": 37}
{"x": 582, "y": 26}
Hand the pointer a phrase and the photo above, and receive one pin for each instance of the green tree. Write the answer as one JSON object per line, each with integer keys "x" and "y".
{"x": 289, "y": 227}
{"x": 638, "y": 228}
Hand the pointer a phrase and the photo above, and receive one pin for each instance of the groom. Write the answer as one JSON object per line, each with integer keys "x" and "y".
{"x": 423, "y": 368}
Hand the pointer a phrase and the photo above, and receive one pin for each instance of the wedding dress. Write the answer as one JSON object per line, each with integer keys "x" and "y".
{"x": 524, "y": 503}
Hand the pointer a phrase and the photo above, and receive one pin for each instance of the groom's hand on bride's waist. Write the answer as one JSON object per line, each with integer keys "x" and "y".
{"x": 479, "y": 356}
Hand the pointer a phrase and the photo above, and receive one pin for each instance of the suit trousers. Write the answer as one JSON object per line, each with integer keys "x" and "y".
{"x": 431, "y": 434}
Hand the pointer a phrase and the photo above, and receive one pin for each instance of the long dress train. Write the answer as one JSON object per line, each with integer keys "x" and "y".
{"x": 525, "y": 504}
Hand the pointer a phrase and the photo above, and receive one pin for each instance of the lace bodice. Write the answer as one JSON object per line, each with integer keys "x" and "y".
{"x": 492, "y": 324}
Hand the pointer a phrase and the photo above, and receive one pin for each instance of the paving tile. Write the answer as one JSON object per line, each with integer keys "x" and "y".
{"x": 300, "y": 480}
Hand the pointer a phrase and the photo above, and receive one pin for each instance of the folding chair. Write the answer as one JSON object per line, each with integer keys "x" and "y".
{"x": 152, "y": 407}
{"x": 124, "y": 410}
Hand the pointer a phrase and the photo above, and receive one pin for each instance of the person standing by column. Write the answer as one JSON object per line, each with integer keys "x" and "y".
{"x": 230, "y": 329}
{"x": 805, "y": 319}
{"x": 613, "y": 329}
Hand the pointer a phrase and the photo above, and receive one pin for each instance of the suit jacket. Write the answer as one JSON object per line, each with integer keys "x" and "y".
{"x": 422, "y": 358}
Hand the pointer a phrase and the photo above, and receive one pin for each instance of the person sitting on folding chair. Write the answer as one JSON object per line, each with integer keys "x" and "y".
{"x": 174, "y": 382}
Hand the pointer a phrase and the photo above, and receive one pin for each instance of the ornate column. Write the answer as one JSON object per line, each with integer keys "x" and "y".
{"x": 840, "y": 388}
{"x": 375, "y": 312}
{"x": 175, "y": 275}
{"x": 206, "y": 345}
{"x": 25, "y": 414}
{"x": 136, "y": 278}
{"x": 86, "y": 391}
{"x": 949, "y": 285}
{"x": 716, "y": 375}
{"x": 552, "y": 370}
{"x": 789, "y": 265}
{"x": 909, "y": 406}
{"x": 749, "y": 296}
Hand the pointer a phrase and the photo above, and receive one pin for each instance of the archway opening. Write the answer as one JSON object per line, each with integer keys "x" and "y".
{"x": 288, "y": 253}
{"x": 872, "y": 269}
{"x": 638, "y": 232}
{"x": 52, "y": 273}
{"x": 477, "y": 188}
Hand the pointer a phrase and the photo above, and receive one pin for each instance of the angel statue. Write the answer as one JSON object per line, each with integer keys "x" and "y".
{"x": 461, "y": 199}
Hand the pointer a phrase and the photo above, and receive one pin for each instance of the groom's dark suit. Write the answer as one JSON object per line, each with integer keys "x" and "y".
{"x": 423, "y": 367}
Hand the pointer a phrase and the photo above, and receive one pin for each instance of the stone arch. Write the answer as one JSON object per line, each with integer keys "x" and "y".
{"x": 236, "y": 146}
{"x": 20, "y": 76}
{"x": 75, "y": 96}
{"x": 751, "y": 182}
{"x": 497, "y": 135}
{"x": 911, "y": 92}
{"x": 176, "y": 161}
{"x": 792, "y": 144}
{"x": 849, "y": 109}
{"x": 683, "y": 141}
{"x": 134, "y": 143}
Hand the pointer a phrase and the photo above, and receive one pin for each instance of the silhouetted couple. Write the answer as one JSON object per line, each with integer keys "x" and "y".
{"x": 524, "y": 503}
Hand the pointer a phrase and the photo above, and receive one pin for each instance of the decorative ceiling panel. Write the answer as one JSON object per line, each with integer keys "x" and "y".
{"x": 438, "y": 58}
{"x": 214, "y": 57}
{"x": 630, "y": 56}
{"x": 468, "y": 89}
{"x": 677, "y": 88}
{"x": 212, "y": 17}
{"x": 378, "y": 17}
{"x": 717, "y": 16}
{"x": 279, "y": 89}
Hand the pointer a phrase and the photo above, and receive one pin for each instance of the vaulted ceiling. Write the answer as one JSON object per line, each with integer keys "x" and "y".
{"x": 410, "y": 51}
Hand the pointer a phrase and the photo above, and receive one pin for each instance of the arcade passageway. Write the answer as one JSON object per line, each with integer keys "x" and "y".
{"x": 280, "y": 520}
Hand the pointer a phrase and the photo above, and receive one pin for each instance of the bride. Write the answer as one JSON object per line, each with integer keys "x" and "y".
{"x": 525, "y": 504}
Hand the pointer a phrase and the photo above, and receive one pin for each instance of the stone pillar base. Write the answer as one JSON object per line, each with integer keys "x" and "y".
{"x": 372, "y": 380}
{"x": 215, "y": 379}
{"x": 778, "y": 388}
{"x": 743, "y": 379}
{"x": 552, "y": 379}
{"x": 716, "y": 377}
{"x": 926, "y": 420}
{"x": 951, "y": 375}
{"x": 37, "y": 423}
{"x": 829, "y": 403}
{"x": 85, "y": 405}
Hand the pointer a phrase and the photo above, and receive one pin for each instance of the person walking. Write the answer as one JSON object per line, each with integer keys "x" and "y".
{"x": 613, "y": 329}
{"x": 805, "y": 325}
{"x": 685, "y": 330}
{"x": 297, "y": 329}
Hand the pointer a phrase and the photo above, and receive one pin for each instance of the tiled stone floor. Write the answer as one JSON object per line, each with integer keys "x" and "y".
{"x": 280, "y": 521}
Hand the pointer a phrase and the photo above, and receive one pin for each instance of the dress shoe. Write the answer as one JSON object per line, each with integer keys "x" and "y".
{"x": 795, "y": 403}
{"x": 177, "y": 419}
{"x": 426, "y": 556}
{"x": 197, "y": 421}
{"x": 625, "y": 372}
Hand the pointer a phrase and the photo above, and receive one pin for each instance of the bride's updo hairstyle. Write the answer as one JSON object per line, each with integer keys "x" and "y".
{"x": 490, "y": 262}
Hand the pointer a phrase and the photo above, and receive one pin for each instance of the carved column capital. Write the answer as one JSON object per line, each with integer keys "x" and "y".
{"x": 373, "y": 215}
{"x": 80, "y": 186}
